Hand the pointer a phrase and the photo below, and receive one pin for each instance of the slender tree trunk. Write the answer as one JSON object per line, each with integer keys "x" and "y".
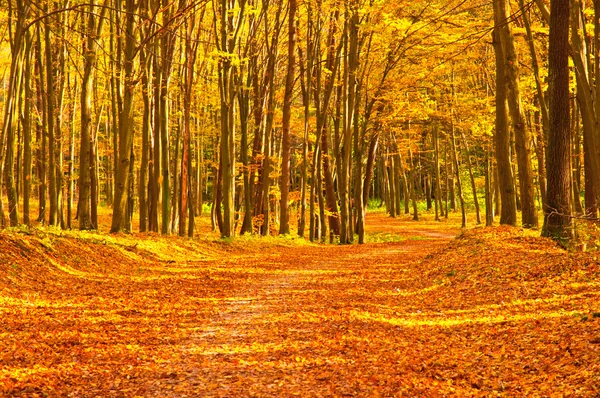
{"x": 8, "y": 135}
{"x": 413, "y": 185}
{"x": 401, "y": 186}
{"x": 458, "y": 180}
{"x": 71, "y": 184}
{"x": 94, "y": 29}
{"x": 508, "y": 214}
{"x": 540, "y": 155}
{"x": 471, "y": 177}
{"x": 576, "y": 145}
{"x": 489, "y": 202}
{"x": 227, "y": 22}
{"x": 41, "y": 128}
{"x": 27, "y": 135}
{"x": 541, "y": 100}
{"x": 590, "y": 197}
{"x": 155, "y": 172}
{"x": 436, "y": 165}
{"x": 306, "y": 90}
{"x": 369, "y": 169}
{"x": 50, "y": 93}
{"x": 200, "y": 171}
{"x": 95, "y": 177}
{"x": 306, "y": 82}
{"x": 164, "y": 156}
{"x": 145, "y": 167}
{"x": 522, "y": 134}
{"x": 350, "y": 87}
{"x": 119, "y": 217}
{"x": 447, "y": 178}
{"x": 244, "y": 110}
{"x": 284, "y": 222}
{"x": 393, "y": 189}
{"x": 405, "y": 186}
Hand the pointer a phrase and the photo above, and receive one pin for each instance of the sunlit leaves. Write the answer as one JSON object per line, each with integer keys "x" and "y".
{"x": 495, "y": 312}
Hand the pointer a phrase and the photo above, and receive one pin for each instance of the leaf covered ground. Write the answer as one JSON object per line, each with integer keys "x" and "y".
{"x": 494, "y": 312}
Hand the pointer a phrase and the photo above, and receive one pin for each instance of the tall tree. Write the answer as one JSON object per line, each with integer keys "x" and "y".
{"x": 557, "y": 214}
{"x": 93, "y": 31}
{"x": 228, "y": 19}
{"x": 122, "y": 180}
{"x": 11, "y": 118}
{"x": 522, "y": 135}
{"x": 508, "y": 210}
{"x": 284, "y": 221}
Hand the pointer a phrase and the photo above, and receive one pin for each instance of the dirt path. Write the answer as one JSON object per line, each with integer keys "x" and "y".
{"x": 291, "y": 328}
{"x": 330, "y": 320}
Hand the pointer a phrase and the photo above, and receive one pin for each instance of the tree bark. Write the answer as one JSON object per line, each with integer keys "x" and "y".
{"x": 458, "y": 180}
{"x": 508, "y": 210}
{"x": 522, "y": 134}
{"x": 284, "y": 222}
{"x": 94, "y": 29}
{"x": 471, "y": 178}
{"x": 557, "y": 214}
{"x": 120, "y": 202}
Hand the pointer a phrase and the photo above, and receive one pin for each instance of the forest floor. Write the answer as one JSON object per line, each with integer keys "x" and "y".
{"x": 423, "y": 310}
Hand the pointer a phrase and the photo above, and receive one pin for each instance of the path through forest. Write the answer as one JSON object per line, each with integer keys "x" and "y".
{"x": 418, "y": 315}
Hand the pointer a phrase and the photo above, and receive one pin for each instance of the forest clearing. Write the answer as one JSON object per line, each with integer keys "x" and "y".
{"x": 496, "y": 311}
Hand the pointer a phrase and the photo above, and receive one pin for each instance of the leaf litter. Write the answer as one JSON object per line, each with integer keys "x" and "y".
{"x": 494, "y": 312}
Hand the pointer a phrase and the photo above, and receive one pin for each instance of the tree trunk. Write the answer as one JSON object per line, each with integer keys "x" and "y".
{"x": 227, "y": 22}
{"x": 413, "y": 184}
{"x": 458, "y": 180}
{"x": 471, "y": 177}
{"x": 71, "y": 183}
{"x": 393, "y": 189}
{"x": 369, "y": 169}
{"x": 284, "y": 222}
{"x": 8, "y": 134}
{"x": 508, "y": 212}
{"x": 522, "y": 134}
{"x": 541, "y": 100}
{"x": 50, "y": 93}
{"x": 306, "y": 84}
{"x": 557, "y": 214}
{"x": 489, "y": 202}
{"x": 436, "y": 165}
{"x": 94, "y": 29}
{"x": 120, "y": 202}
{"x": 145, "y": 167}
{"x": 27, "y": 135}
{"x": 540, "y": 155}
{"x": 41, "y": 136}
{"x": 576, "y": 170}
{"x": 447, "y": 178}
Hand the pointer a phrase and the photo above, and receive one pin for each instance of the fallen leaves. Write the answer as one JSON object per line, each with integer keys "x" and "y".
{"x": 495, "y": 312}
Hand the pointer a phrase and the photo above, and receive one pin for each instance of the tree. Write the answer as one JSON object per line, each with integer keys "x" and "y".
{"x": 508, "y": 211}
{"x": 86, "y": 163}
{"x": 284, "y": 227}
{"x": 11, "y": 118}
{"x": 557, "y": 213}
{"x": 228, "y": 20}
{"x": 522, "y": 134}
{"x": 122, "y": 179}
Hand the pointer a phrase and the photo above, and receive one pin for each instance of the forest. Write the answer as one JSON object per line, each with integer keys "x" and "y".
{"x": 287, "y": 117}
{"x": 315, "y": 197}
